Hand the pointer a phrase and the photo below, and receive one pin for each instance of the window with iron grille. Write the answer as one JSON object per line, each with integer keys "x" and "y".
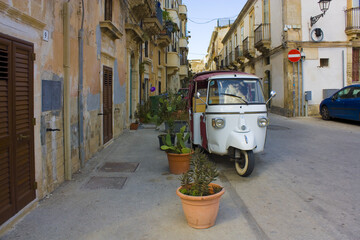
{"x": 324, "y": 62}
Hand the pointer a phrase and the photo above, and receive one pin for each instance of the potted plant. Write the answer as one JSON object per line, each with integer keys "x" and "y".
{"x": 167, "y": 106}
{"x": 142, "y": 111}
{"x": 134, "y": 125}
{"x": 178, "y": 154}
{"x": 199, "y": 196}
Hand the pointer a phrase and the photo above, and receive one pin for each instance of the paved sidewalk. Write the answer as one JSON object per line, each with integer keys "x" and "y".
{"x": 146, "y": 207}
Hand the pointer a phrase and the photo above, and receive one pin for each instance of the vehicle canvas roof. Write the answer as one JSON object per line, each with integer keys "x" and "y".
{"x": 204, "y": 76}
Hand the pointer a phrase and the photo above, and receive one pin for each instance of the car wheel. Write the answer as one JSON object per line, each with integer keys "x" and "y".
{"x": 245, "y": 164}
{"x": 325, "y": 113}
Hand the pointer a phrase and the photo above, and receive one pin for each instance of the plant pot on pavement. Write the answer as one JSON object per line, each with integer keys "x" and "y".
{"x": 201, "y": 211}
{"x": 178, "y": 163}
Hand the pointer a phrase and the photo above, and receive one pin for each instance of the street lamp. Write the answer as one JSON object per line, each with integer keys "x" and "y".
{"x": 324, "y": 6}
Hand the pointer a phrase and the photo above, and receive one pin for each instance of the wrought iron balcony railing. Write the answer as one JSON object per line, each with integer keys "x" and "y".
{"x": 262, "y": 33}
{"x": 352, "y": 19}
{"x": 248, "y": 47}
{"x": 238, "y": 52}
{"x": 231, "y": 57}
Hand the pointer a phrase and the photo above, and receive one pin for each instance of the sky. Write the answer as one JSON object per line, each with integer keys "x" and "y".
{"x": 202, "y": 18}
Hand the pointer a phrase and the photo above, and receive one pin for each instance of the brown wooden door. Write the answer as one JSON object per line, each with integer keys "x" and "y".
{"x": 17, "y": 170}
{"x": 107, "y": 104}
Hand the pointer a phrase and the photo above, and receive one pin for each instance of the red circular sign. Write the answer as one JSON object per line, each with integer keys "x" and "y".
{"x": 294, "y": 55}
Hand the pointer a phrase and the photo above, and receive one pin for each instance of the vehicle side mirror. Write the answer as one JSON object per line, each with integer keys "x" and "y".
{"x": 272, "y": 94}
{"x": 197, "y": 96}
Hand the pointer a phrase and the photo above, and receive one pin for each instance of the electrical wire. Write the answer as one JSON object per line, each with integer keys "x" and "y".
{"x": 211, "y": 20}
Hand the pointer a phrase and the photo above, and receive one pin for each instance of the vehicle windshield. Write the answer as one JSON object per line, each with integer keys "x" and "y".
{"x": 235, "y": 91}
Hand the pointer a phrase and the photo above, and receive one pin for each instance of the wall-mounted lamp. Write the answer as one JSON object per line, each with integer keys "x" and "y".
{"x": 324, "y": 6}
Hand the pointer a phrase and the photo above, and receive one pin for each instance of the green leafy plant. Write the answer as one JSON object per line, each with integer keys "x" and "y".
{"x": 180, "y": 146}
{"x": 196, "y": 181}
{"x": 168, "y": 105}
{"x": 166, "y": 16}
{"x": 142, "y": 112}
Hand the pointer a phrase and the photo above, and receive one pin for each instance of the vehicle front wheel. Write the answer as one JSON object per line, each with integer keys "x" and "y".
{"x": 245, "y": 164}
{"x": 325, "y": 113}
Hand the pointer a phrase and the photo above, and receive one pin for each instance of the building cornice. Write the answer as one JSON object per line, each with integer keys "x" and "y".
{"x": 16, "y": 14}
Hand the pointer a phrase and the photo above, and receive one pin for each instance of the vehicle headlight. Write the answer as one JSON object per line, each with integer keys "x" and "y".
{"x": 263, "y": 121}
{"x": 218, "y": 123}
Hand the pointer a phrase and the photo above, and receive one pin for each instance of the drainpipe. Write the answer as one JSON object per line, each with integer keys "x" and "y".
{"x": 343, "y": 68}
{"x": 299, "y": 94}
{"x": 80, "y": 89}
{"x": 302, "y": 81}
{"x": 67, "y": 126}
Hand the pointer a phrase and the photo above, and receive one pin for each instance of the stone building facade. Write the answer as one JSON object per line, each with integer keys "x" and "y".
{"x": 265, "y": 31}
{"x": 71, "y": 75}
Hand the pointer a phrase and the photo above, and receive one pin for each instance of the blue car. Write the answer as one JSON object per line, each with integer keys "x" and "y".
{"x": 344, "y": 104}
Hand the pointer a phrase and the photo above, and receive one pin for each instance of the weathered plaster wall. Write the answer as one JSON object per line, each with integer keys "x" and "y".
{"x": 49, "y": 65}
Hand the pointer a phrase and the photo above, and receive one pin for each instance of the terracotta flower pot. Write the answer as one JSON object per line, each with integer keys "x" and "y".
{"x": 134, "y": 126}
{"x": 201, "y": 212}
{"x": 179, "y": 163}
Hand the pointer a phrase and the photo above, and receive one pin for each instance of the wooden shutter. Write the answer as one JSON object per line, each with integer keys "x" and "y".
{"x": 107, "y": 103}
{"x": 7, "y": 193}
{"x": 108, "y": 10}
{"x": 17, "y": 171}
{"x": 24, "y": 130}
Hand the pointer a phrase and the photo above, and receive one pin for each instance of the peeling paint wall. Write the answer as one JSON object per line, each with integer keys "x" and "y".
{"x": 27, "y": 20}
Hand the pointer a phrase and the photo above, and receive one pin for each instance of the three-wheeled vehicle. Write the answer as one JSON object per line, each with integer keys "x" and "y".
{"x": 228, "y": 116}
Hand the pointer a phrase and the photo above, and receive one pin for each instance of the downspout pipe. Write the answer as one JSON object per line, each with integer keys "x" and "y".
{"x": 299, "y": 94}
{"x": 302, "y": 82}
{"x": 67, "y": 124}
{"x": 80, "y": 89}
{"x": 343, "y": 68}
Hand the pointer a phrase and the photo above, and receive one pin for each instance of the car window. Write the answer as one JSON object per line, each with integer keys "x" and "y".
{"x": 343, "y": 94}
{"x": 356, "y": 92}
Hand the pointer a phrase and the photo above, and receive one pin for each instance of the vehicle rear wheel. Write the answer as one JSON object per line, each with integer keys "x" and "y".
{"x": 245, "y": 164}
{"x": 325, "y": 113}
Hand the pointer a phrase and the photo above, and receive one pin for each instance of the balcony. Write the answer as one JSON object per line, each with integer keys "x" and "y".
{"x": 226, "y": 62}
{"x": 183, "y": 71}
{"x": 142, "y": 8}
{"x": 183, "y": 43}
{"x": 262, "y": 37}
{"x": 110, "y": 29}
{"x": 182, "y": 12}
{"x": 173, "y": 62}
{"x": 352, "y": 23}
{"x": 175, "y": 17}
{"x": 134, "y": 32}
{"x": 153, "y": 25}
{"x": 164, "y": 38}
{"x": 222, "y": 67}
{"x": 239, "y": 57}
{"x": 248, "y": 48}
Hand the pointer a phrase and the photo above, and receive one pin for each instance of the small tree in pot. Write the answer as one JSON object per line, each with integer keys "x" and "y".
{"x": 199, "y": 196}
